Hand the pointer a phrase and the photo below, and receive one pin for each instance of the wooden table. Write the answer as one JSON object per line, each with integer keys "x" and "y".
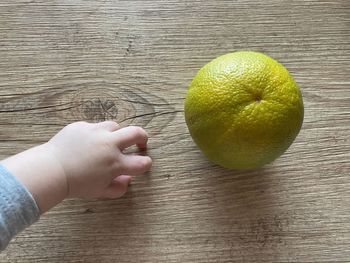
{"x": 132, "y": 61}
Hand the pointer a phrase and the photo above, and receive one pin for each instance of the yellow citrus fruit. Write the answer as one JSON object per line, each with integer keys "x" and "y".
{"x": 243, "y": 110}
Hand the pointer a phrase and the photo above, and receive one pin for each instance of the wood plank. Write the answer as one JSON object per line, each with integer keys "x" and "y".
{"x": 132, "y": 61}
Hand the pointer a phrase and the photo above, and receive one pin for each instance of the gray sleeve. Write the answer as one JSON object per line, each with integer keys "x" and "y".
{"x": 18, "y": 208}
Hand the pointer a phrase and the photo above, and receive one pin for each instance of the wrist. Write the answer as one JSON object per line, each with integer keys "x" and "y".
{"x": 57, "y": 168}
{"x": 41, "y": 173}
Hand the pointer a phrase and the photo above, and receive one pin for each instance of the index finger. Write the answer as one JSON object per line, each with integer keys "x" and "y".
{"x": 129, "y": 136}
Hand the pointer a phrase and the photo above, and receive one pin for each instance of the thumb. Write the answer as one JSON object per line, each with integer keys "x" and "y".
{"x": 118, "y": 187}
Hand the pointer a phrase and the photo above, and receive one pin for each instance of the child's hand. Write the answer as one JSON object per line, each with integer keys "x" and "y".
{"x": 82, "y": 160}
{"x": 93, "y": 161}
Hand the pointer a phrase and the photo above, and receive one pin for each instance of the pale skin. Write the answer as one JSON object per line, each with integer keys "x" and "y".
{"x": 82, "y": 160}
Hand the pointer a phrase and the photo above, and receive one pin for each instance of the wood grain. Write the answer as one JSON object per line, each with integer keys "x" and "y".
{"x": 132, "y": 61}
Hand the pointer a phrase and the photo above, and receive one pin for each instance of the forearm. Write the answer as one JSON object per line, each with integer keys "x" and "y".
{"x": 39, "y": 171}
{"x": 18, "y": 209}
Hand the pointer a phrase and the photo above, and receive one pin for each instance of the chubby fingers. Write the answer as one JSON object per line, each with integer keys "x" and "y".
{"x": 132, "y": 164}
{"x": 118, "y": 187}
{"x": 129, "y": 136}
{"x": 135, "y": 164}
{"x": 108, "y": 125}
